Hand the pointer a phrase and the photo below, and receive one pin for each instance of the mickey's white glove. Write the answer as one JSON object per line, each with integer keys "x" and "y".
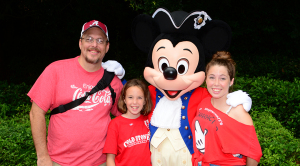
{"x": 200, "y": 137}
{"x": 239, "y": 97}
{"x": 114, "y": 66}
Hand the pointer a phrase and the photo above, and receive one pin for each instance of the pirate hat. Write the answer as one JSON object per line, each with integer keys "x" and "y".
{"x": 214, "y": 35}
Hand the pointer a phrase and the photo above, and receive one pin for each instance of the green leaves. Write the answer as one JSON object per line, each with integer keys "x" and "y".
{"x": 149, "y": 6}
{"x": 13, "y": 99}
{"x": 16, "y": 143}
{"x": 278, "y": 144}
{"x": 276, "y": 116}
{"x": 284, "y": 96}
{"x": 275, "y": 113}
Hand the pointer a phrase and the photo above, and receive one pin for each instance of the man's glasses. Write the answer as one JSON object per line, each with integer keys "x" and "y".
{"x": 91, "y": 40}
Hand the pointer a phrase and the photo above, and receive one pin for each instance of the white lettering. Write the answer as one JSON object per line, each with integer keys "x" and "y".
{"x": 89, "y": 87}
{"x": 139, "y": 139}
{"x": 219, "y": 119}
{"x": 78, "y": 94}
{"x": 103, "y": 96}
{"x": 147, "y": 123}
{"x": 95, "y": 23}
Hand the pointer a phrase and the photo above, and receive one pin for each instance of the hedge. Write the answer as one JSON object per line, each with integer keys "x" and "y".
{"x": 278, "y": 144}
{"x": 276, "y": 129}
{"x": 283, "y": 96}
{"x": 13, "y": 98}
{"x": 16, "y": 144}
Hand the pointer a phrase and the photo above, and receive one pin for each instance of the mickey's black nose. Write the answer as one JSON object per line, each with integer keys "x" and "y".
{"x": 170, "y": 73}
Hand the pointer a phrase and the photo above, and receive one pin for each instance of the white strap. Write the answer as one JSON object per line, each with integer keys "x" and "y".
{"x": 227, "y": 112}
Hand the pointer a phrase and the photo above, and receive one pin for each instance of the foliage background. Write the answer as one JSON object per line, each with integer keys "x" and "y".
{"x": 278, "y": 138}
{"x": 265, "y": 45}
{"x": 266, "y": 35}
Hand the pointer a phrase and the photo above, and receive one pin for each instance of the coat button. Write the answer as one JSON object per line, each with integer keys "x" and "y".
{"x": 158, "y": 160}
{"x": 184, "y": 162}
{"x": 186, "y": 127}
{"x": 185, "y": 98}
{"x": 183, "y": 117}
{"x": 159, "y": 96}
{"x": 168, "y": 129}
{"x": 183, "y": 107}
{"x": 189, "y": 137}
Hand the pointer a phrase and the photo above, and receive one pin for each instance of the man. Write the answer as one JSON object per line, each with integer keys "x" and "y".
{"x": 77, "y": 136}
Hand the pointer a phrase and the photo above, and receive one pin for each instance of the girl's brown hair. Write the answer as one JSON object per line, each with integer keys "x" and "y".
{"x": 135, "y": 82}
{"x": 223, "y": 58}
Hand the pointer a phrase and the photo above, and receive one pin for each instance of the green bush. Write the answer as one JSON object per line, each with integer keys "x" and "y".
{"x": 276, "y": 66}
{"x": 279, "y": 146}
{"x": 13, "y": 99}
{"x": 16, "y": 144}
{"x": 275, "y": 104}
{"x": 282, "y": 95}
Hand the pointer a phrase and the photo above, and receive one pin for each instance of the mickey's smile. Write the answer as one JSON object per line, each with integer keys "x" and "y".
{"x": 172, "y": 94}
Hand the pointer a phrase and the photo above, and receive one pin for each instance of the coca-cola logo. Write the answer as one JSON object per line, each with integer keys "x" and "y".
{"x": 103, "y": 96}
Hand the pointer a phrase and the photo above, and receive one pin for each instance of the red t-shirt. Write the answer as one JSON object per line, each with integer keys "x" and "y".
{"x": 75, "y": 137}
{"x": 128, "y": 139}
{"x": 221, "y": 138}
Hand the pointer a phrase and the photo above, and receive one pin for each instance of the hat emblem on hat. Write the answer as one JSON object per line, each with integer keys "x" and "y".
{"x": 200, "y": 21}
{"x": 94, "y": 23}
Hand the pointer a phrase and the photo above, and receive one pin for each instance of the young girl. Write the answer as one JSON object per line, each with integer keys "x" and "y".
{"x": 223, "y": 135}
{"x": 127, "y": 141}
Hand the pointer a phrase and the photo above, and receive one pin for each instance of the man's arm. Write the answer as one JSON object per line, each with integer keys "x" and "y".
{"x": 38, "y": 129}
{"x": 251, "y": 162}
{"x": 110, "y": 159}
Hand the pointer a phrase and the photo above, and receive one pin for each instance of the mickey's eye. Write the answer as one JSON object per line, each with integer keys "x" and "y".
{"x": 163, "y": 63}
{"x": 182, "y": 66}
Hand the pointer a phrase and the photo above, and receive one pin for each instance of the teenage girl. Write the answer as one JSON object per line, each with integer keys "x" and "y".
{"x": 127, "y": 141}
{"x": 223, "y": 135}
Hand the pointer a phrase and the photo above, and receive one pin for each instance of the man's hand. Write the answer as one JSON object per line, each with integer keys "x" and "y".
{"x": 38, "y": 129}
{"x": 114, "y": 66}
{"x": 44, "y": 161}
{"x": 239, "y": 97}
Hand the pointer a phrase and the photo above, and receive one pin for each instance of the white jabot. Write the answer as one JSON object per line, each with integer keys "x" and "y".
{"x": 167, "y": 114}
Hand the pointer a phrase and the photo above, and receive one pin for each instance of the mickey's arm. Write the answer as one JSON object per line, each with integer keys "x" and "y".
{"x": 239, "y": 97}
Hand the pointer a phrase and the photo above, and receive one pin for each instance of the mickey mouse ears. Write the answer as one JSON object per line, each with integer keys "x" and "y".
{"x": 214, "y": 35}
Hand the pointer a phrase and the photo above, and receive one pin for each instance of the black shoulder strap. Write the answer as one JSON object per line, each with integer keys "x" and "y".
{"x": 102, "y": 84}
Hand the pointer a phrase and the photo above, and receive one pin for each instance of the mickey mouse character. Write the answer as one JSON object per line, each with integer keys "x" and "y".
{"x": 178, "y": 44}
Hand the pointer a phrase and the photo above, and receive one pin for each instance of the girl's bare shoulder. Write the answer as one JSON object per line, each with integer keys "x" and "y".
{"x": 241, "y": 115}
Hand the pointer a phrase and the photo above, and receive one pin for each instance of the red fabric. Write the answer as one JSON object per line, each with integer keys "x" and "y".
{"x": 225, "y": 136}
{"x": 153, "y": 99}
{"x": 198, "y": 95}
{"x": 128, "y": 139}
{"x": 76, "y": 137}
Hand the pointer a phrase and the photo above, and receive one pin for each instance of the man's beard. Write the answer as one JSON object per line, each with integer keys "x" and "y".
{"x": 91, "y": 61}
